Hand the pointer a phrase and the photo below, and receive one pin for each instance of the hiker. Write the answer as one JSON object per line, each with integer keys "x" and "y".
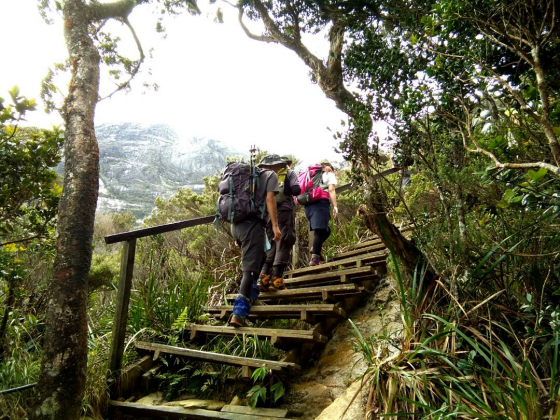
{"x": 278, "y": 256}
{"x": 406, "y": 173}
{"x": 250, "y": 235}
{"x": 319, "y": 213}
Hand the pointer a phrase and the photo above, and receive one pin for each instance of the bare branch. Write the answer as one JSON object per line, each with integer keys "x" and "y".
{"x": 119, "y": 9}
{"x": 136, "y": 69}
{"x": 262, "y": 38}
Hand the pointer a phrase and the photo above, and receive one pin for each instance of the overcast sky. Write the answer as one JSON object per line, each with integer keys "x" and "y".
{"x": 214, "y": 81}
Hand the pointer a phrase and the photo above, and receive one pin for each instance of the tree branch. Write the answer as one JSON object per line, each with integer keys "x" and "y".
{"x": 119, "y": 9}
{"x": 136, "y": 69}
{"x": 262, "y": 38}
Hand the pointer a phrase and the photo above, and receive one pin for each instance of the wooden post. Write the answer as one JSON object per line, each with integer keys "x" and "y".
{"x": 295, "y": 248}
{"x": 121, "y": 311}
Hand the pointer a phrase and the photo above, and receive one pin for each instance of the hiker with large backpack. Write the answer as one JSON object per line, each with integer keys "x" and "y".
{"x": 318, "y": 184}
{"x": 247, "y": 195}
{"x": 278, "y": 256}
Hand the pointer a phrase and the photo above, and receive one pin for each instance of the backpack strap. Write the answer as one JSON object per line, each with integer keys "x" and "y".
{"x": 230, "y": 210}
{"x": 216, "y": 222}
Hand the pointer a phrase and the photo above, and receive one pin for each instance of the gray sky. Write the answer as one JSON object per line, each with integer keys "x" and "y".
{"x": 214, "y": 81}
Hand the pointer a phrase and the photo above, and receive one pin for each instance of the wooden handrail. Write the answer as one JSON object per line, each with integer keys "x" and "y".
{"x": 155, "y": 230}
{"x": 170, "y": 227}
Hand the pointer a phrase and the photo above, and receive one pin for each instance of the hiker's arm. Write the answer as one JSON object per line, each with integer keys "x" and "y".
{"x": 295, "y": 190}
{"x": 332, "y": 195}
{"x": 271, "y": 207}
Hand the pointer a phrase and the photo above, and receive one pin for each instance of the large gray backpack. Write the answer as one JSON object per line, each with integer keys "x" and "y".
{"x": 237, "y": 190}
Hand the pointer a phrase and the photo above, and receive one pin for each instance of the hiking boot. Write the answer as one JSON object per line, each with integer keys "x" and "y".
{"x": 314, "y": 261}
{"x": 237, "y": 321}
{"x": 263, "y": 282}
{"x": 276, "y": 283}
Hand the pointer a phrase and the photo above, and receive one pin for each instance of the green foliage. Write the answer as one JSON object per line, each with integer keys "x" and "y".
{"x": 171, "y": 295}
{"x": 29, "y": 196}
{"x": 261, "y": 391}
{"x": 104, "y": 271}
{"x": 28, "y": 192}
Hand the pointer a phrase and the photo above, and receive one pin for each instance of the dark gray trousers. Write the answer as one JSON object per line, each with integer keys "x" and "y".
{"x": 279, "y": 253}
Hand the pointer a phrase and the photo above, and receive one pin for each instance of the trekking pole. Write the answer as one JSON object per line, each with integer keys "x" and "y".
{"x": 252, "y": 152}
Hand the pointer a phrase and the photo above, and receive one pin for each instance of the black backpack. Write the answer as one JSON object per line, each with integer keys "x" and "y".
{"x": 237, "y": 190}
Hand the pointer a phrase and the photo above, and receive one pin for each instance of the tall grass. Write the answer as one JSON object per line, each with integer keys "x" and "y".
{"x": 487, "y": 360}
{"x": 172, "y": 294}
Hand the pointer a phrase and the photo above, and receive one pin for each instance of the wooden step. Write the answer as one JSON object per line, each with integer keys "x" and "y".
{"x": 173, "y": 412}
{"x": 364, "y": 250}
{"x": 307, "y": 313}
{"x": 375, "y": 260}
{"x": 366, "y": 243}
{"x": 343, "y": 276}
{"x": 327, "y": 293}
{"x": 376, "y": 241}
{"x": 279, "y": 413}
{"x": 223, "y": 359}
{"x": 275, "y": 335}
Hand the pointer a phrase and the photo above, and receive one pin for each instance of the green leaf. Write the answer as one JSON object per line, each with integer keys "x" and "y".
{"x": 278, "y": 391}
{"x": 14, "y": 92}
{"x": 535, "y": 176}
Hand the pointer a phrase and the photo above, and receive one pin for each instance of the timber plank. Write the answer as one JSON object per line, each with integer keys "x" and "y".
{"x": 171, "y": 412}
{"x": 281, "y": 311}
{"x": 274, "y": 334}
{"x": 257, "y": 411}
{"x": 365, "y": 244}
{"x": 365, "y": 250}
{"x": 359, "y": 261}
{"x": 308, "y": 292}
{"x": 329, "y": 275}
{"x": 216, "y": 357}
{"x": 375, "y": 240}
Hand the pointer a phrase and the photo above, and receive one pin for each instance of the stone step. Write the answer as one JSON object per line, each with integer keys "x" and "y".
{"x": 342, "y": 276}
{"x": 275, "y": 335}
{"x": 377, "y": 259}
{"x": 173, "y": 412}
{"x": 219, "y": 358}
{"x": 307, "y": 313}
{"x": 326, "y": 293}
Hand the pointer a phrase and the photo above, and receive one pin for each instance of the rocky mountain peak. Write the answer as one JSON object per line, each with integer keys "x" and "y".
{"x": 139, "y": 162}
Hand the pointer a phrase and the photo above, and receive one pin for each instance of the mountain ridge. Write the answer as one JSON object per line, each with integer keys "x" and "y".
{"x": 139, "y": 162}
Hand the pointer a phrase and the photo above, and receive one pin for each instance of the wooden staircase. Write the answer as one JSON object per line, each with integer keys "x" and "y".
{"x": 319, "y": 296}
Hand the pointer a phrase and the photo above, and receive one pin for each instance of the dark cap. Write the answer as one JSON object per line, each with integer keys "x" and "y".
{"x": 287, "y": 159}
{"x": 271, "y": 160}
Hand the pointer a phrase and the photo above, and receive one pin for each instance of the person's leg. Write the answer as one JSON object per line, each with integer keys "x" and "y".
{"x": 264, "y": 277}
{"x": 283, "y": 249}
{"x": 320, "y": 218}
{"x": 251, "y": 236}
{"x": 319, "y": 239}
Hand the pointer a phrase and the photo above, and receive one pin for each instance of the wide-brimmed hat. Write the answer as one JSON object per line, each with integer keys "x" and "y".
{"x": 325, "y": 162}
{"x": 271, "y": 160}
{"x": 287, "y": 159}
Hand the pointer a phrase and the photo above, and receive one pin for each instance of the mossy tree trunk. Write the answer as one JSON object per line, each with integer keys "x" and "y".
{"x": 63, "y": 374}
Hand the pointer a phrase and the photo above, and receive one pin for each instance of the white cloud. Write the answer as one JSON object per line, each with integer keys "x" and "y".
{"x": 214, "y": 81}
